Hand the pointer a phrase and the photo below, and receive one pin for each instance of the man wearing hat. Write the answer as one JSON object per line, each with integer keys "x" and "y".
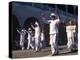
{"x": 54, "y": 21}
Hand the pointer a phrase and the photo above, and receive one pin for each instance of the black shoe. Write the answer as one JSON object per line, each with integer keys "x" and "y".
{"x": 55, "y": 54}
{"x": 74, "y": 50}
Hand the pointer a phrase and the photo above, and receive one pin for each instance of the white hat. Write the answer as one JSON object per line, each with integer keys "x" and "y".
{"x": 36, "y": 23}
{"x": 52, "y": 14}
{"x": 22, "y": 30}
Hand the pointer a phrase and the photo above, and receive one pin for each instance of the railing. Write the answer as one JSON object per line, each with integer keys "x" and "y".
{"x": 60, "y": 12}
{"x": 43, "y": 7}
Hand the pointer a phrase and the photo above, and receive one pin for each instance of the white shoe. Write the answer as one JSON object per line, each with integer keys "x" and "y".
{"x": 27, "y": 48}
{"x": 22, "y": 48}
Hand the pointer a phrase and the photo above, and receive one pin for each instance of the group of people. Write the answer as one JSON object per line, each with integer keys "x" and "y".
{"x": 38, "y": 36}
{"x": 35, "y": 40}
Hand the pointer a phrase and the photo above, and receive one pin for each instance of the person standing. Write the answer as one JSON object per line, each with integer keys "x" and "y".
{"x": 70, "y": 29}
{"x": 22, "y": 37}
{"x": 54, "y": 22}
{"x": 42, "y": 43}
{"x": 37, "y": 35}
{"x": 29, "y": 39}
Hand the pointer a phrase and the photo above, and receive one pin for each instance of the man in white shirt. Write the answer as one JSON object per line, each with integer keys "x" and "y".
{"x": 30, "y": 44}
{"x": 37, "y": 36}
{"x": 70, "y": 29}
{"x": 54, "y": 22}
{"x": 42, "y": 42}
{"x": 22, "y": 37}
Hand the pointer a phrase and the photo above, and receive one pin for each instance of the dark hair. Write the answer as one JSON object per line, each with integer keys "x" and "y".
{"x": 54, "y": 17}
{"x": 71, "y": 22}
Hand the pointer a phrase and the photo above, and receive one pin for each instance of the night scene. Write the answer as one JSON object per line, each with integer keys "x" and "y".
{"x": 42, "y": 29}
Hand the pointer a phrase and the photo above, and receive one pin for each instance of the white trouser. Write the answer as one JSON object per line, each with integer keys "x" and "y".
{"x": 30, "y": 44}
{"x": 70, "y": 43}
{"x": 53, "y": 43}
{"x": 37, "y": 43}
{"x": 42, "y": 44}
{"x": 22, "y": 44}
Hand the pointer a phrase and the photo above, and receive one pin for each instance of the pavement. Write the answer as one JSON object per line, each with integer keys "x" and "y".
{"x": 43, "y": 52}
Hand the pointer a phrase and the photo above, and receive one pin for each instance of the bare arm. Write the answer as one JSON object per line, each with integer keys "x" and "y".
{"x": 18, "y": 31}
{"x": 49, "y": 21}
{"x": 26, "y": 31}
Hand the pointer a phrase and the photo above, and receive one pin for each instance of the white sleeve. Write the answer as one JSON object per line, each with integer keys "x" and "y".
{"x": 18, "y": 31}
{"x": 57, "y": 21}
{"x": 66, "y": 28}
{"x": 49, "y": 21}
{"x": 74, "y": 28}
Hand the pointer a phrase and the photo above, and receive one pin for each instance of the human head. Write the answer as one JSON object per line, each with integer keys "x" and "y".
{"x": 29, "y": 29}
{"x": 53, "y": 16}
{"x": 36, "y": 24}
{"x": 23, "y": 30}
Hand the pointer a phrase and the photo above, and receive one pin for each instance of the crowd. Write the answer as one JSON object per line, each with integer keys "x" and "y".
{"x": 36, "y": 39}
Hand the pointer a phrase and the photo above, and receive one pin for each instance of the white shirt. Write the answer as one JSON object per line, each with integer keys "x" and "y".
{"x": 22, "y": 35}
{"x": 42, "y": 36}
{"x": 29, "y": 35}
{"x": 53, "y": 26}
{"x": 70, "y": 30}
{"x": 37, "y": 31}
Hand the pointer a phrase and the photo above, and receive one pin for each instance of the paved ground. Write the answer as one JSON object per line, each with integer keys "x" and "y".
{"x": 43, "y": 52}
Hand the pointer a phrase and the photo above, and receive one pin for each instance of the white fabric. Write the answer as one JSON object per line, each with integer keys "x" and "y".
{"x": 71, "y": 28}
{"x": 42, "y": 36}
{"x": 37, "y": 31}
{"x": 42, "y": 42}
{"x": 37, "y": 37}
{"x": 70, "y": 35}
{"x": 53, "y": 26}
{"x": 29, "y": 35}
{"x": 37, "y": 43}
{"x": 30, "y": 40}
{"x": 21, "y": 40}
{"x": 70, "y": 41}
{"x": 52, "y": 14}
{"x": 53, "y": 32}
{"x": 22, "y": 37}
{"x": 53, "y": 43}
